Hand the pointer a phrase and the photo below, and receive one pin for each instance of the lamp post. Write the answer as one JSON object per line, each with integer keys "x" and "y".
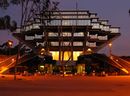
{"x": 17, "y": 58}
{"x": 110, "y": 49}
{"x": 9, "y": 44}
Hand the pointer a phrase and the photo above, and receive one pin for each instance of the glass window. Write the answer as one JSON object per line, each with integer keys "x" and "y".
{"x": 106, "y": 28}
{"x": 83, "y": 22}
{"x": 104, "y": 22}
{"x": 114, "y": 30}
{"x": 91, "y": 44}
{"x": 79, "y": 34}
{"x": 92, "y": 15}
{"x": 36, "y": 26}
{"x": 68, "y": 22}
{"x": 82, "y": 12}
{"x": 94, "y": 20}
{"x": 55, "y": 22}
{"x": 94, "y": 36}
{"x": 95, "y": 25}
{"x": 103, "y": 37}
{"x": 77, "y": 43}
{"x": 66, "y": 34}
{"x": 52, "y": 34}
{"x": 54, "y": 43}
{"x": 83, "y": 16}
{"x": 66, "y": 43}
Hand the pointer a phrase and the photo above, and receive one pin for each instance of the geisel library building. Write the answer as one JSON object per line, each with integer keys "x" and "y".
{"x": 69, "y": 34}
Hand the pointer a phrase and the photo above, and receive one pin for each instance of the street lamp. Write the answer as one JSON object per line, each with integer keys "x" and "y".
{"x": 17, "y": 58}
{"x": 110, "y": 49}
{"x": 10, "y": 43}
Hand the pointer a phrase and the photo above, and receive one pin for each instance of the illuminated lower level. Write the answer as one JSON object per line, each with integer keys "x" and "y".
{"x": 66, "y": 56}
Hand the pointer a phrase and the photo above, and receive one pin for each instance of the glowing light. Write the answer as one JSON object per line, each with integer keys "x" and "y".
{"x": 42, "y": 66}
{"x": 10, "y": 43}
{"x": 42, "y": 49}
{"x": 123, "y": 69}
{"x": 3, "y": 69}
{"x": 116, "y": 59}
{"x": 67, "y": 54}
{"x": 76, "y": 54}
{"x": 111, "y": 57}
{"x": 42, "y": 53}
{"x": 110, "y": 44}
{"x": 89, "y": 50}
{"x": 13, "y": 60}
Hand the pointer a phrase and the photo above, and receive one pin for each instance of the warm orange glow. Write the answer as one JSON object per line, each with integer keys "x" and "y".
{"x": 67, "y": 55}
{"x": 89, "y": 50}
{"x": 3, "y": 69}
{"x": 110, "y": 44}
{"x": 42, "y": 53}
{"x": 13, "y": 60}
{"x": 55, "y": 55}
{"x": 42, "y": 66}
{"x": 42, "y": 49}
{"x": 76, "y": 54}
{"x": 10, "y": 43}
{"x": 123, "y": 69}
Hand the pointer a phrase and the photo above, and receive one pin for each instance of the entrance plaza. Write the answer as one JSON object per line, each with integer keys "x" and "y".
{"x": 65, "y": 86}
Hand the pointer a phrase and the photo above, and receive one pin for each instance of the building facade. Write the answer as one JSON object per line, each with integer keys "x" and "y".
{"x": 67, "y": 33}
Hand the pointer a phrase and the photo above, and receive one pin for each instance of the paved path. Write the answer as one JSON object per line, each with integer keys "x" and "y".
{"x": 67, "y": 86}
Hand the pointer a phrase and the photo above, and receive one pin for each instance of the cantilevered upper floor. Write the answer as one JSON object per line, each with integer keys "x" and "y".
{"x": 75, "y": 30}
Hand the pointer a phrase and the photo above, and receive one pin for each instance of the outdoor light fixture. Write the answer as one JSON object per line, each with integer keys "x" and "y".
{"x": 110, "y": 44}
{"x": 42, "y": 51}
{"x": 110, "y": 50}
{"x": 10, "y": 43}
{"x": 89, "y": 50}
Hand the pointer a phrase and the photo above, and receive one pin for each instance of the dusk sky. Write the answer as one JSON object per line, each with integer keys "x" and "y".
{"x": 116, "y": 11}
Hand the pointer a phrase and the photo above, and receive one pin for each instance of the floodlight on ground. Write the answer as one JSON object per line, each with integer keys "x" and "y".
{"x": 89, "y": 51}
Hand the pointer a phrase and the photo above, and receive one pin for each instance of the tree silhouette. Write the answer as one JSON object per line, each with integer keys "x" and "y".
{"x": 28, "y": 9}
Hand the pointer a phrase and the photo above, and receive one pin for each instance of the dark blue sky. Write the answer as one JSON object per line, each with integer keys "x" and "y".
{"x": 116, "y": 11}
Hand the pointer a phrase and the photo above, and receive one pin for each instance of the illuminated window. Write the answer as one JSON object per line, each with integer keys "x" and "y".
{"x": 93, "y": 36}
{"x": 55, "y": 55}
{"x": 91, "y": 44}
{"x": 95, "y": 25}
{"x": 36, "y": 26}
{"x": 94, "y": 20}
{"x": 83, "y": 13}
{"x": 106, "y": 28}
{"x": 54, "y": 43}
{"x": 51, "y": 34}
{"x": 68, "y": 22}
{"x": 104, "y": 22}
{"x": 83, "y": 16}
{"x": 79, "y": 34}
{"x": 66, "y": 43}
{"x": 83, "y": 22}
{"x": 78, "y": 43}
{"x": 66, "y": 34}
{"x": 55, "y": 22}
{"x": 92, "y": 15}
{"x": 114, "y": 30}
{"x": 103, "y": 37}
